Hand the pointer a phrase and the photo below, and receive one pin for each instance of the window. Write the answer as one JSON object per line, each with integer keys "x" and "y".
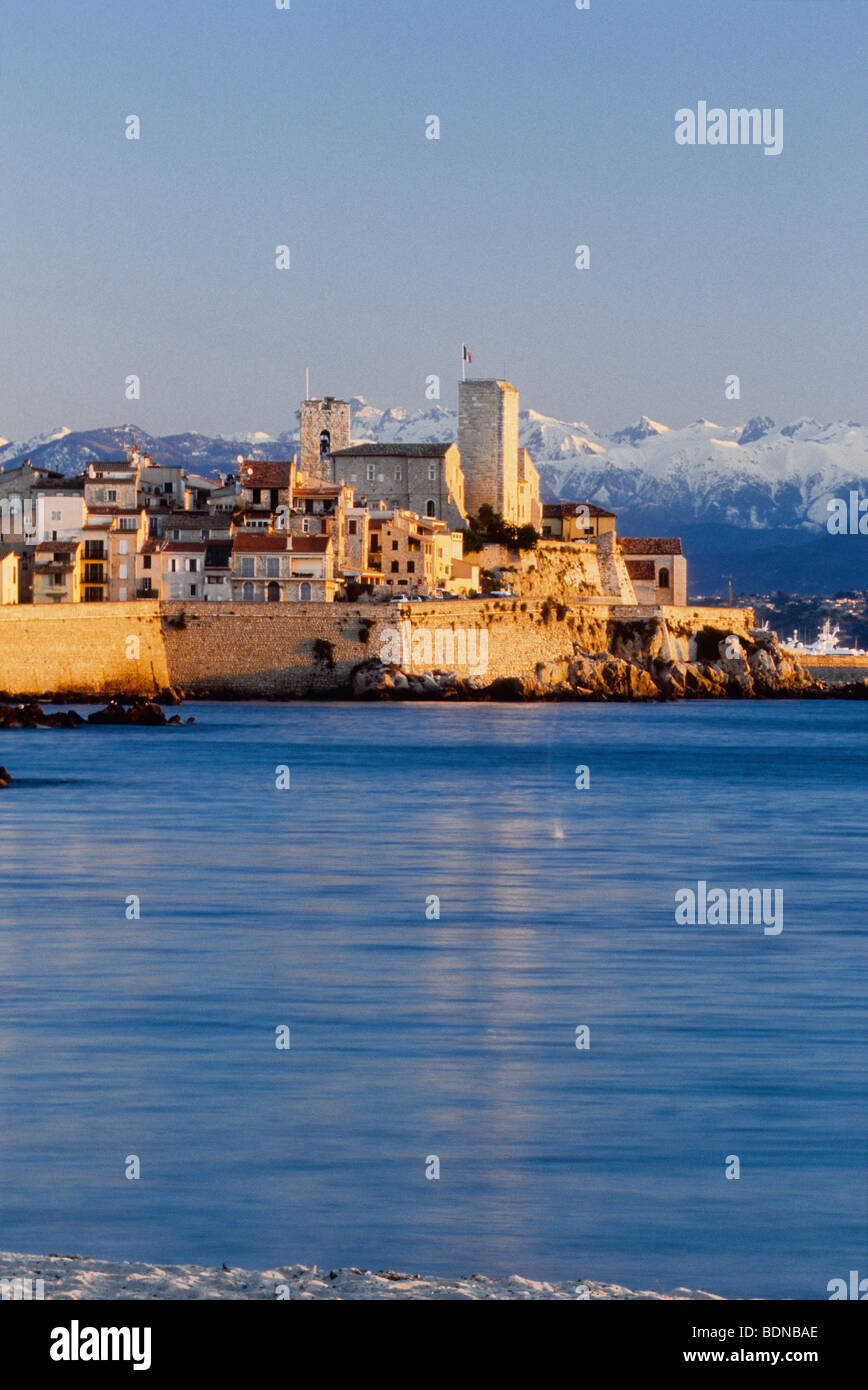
{"x": 192, "y": 566}
{"x": 304, "y": 593}
{"x": 247, "y": 568}
{"x": 394, "y": 545}
{"x": 272, "y": 566}
{"x": 305, "y": 526}
{"x": 111, "y": 495}
{"x": 352, "y": 527}
{"x": 128, "y": 523}
{"x": 398, "y": 473}
{"x": 432, "y": 472}
{"x": 430, "y": 508}
{"x": 146, "y": 562}
{"x": 375, "y": 541}
{"x": 173, "y": 566}
{"x": 257, "y": 495}
{"x": 247, "y": 591}
{"x": 411, "y": 566}
{"x": 663, "y": 578}
{"x": 55, "y": 516}
{"x": 325, "y": 444}
{"x": 395, "y": 567}
{"x": 371, "y": 472}
{"x": 193, "y": 590}
{"x": 122, "y": 571}
{"x": 272, "y": 593}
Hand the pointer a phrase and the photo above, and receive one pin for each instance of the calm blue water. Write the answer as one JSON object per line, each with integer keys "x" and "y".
{"x": 454, "y": 1037}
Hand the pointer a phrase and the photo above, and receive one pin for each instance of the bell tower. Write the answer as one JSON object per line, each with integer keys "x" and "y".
{"x": 325, "y": 426}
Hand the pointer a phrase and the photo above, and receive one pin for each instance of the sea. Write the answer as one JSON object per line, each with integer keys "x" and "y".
{"x": 401, "y": 986}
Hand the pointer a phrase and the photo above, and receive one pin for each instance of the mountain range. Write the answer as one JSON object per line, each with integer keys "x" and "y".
{"x": 749, "y": 502}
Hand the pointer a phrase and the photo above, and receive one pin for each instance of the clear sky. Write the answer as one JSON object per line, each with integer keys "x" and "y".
{"x": 306, "y": 127}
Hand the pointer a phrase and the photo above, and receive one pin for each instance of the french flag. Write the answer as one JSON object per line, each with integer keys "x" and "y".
{"x": 465, "y": 353}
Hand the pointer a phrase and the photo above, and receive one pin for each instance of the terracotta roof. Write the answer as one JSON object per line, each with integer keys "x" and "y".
{"x": 310, "y": 544}
{"x": 68, "y": 547}
{"x": 648, "y": 545}
{"x": 265, "y": 473}
{"x": 407, "y": 451}
{"x": 151, "y": 547}
{"x": 255, "y": 541}
{"x": 566, "y": 509}
{"x": 188, "y": 547}
{"x": 641, "y": 569}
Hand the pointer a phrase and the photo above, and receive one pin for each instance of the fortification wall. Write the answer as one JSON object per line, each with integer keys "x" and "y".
{"x": 255, "y": 650}
{"x": 82, "y": 648}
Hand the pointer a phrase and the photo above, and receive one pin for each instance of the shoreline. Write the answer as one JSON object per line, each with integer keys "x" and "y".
{"x": 80, "y": 1278}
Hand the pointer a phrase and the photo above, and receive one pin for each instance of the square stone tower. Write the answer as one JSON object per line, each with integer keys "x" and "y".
{"x": 488, "y": 443}
{"x": 325, "y": 426}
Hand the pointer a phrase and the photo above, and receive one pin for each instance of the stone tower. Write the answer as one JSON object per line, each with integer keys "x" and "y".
{"x": 488, "y": 443}
{"x": 325, "y": 426}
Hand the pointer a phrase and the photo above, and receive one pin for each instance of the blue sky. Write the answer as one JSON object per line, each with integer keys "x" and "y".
{"x": 306, "y": 127}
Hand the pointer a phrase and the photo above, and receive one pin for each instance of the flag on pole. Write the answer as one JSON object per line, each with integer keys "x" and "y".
{"x": 467, "y": 357}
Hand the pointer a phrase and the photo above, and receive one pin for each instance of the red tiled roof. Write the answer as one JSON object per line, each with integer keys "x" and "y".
{"x": 641, "y": 569}
{"x": 68, "y": 546}
{"x": 188, "y": 547}
{"x": 265, "y": 473}
{"x": 648, "y": 545}
{"x": 256, "y": 541}
{"x": 151, "y": 547}
{"x": 310, "y": 544}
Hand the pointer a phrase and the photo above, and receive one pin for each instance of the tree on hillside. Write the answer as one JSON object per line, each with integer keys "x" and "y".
{"x": 488, "y": 527}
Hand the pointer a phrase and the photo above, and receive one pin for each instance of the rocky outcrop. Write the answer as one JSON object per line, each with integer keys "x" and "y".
{"x": 638, "y": 666}
{"x": 30, "y": 715}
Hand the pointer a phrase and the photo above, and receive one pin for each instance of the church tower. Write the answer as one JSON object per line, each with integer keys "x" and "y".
{"x": 325, "y": 426}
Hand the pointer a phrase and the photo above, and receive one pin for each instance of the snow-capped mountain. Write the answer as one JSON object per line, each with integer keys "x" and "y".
{"x": 717, "y": 485}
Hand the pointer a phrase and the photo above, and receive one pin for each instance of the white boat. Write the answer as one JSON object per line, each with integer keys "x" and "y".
{"x": 825, "y": 645}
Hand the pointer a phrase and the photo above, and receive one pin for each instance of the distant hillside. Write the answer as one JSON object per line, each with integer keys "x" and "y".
{"x": 749, "y": 502}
